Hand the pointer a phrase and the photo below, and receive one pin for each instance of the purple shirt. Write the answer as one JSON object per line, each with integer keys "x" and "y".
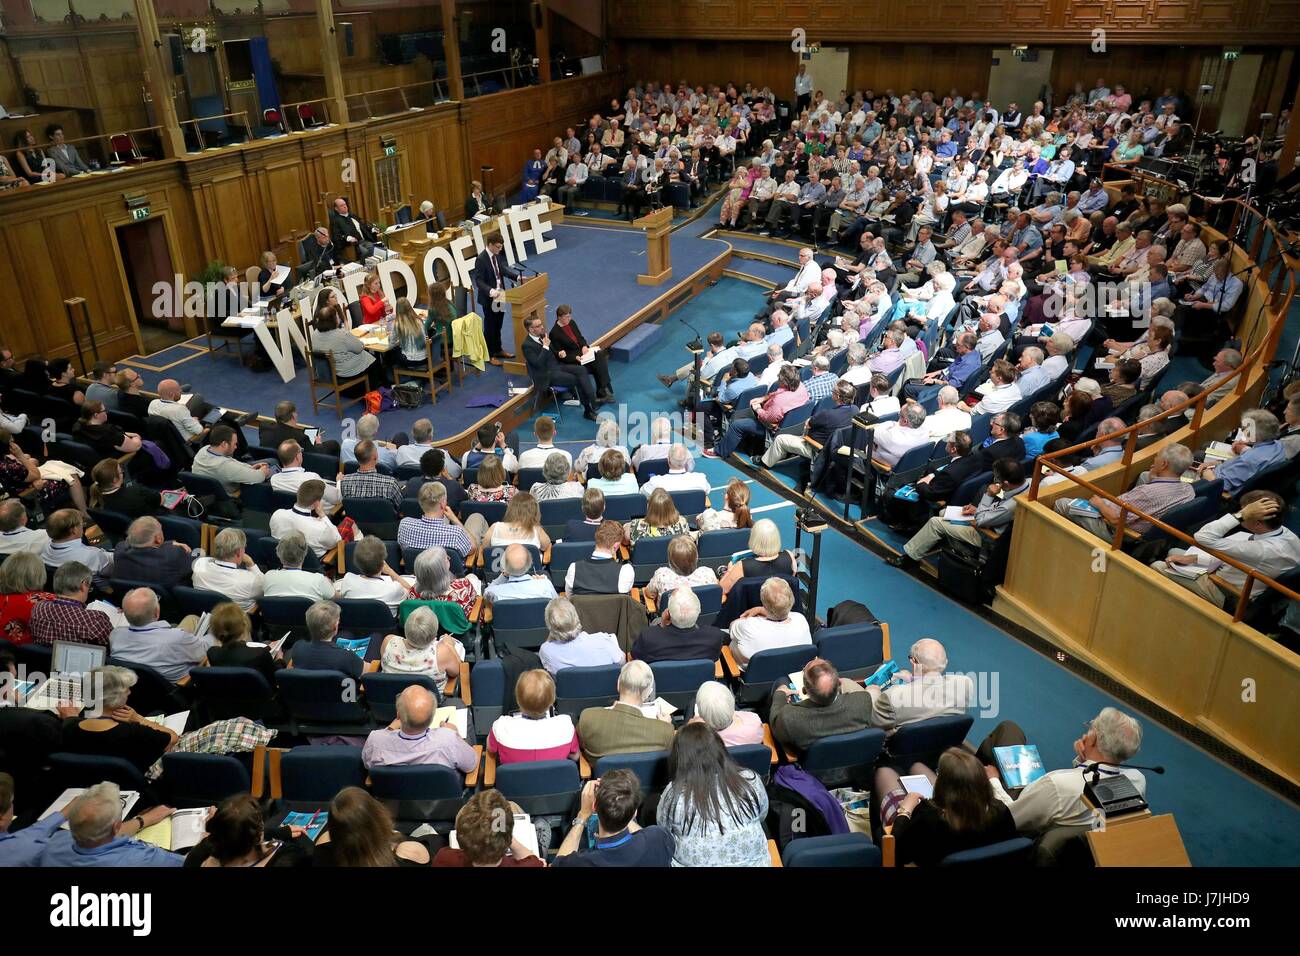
{"x": 393, "y": 748}
{"x": 886, "y": 361}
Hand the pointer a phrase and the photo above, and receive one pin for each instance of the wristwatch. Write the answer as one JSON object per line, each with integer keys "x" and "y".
{"x": 139, "y": 822}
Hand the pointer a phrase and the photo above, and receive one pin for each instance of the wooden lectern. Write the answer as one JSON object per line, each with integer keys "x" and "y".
{"x": 658, "y": 226}
{"x": 526, "y": 299}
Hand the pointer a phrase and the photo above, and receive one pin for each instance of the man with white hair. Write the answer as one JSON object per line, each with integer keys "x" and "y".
{"x": 782, "y": 329}
{"x": 809, "y": 271}
{"x": 15, "y": 536}
{"x": 775, "y": 359}
{"x": 421, "y": 441}
{"x": 632, "y": 724}
{"x": 230, "y": 570}
{"x": 148, "y": 639}
{"x": 411, "y": 740}
{"x": 950, "y": 417}
{"x": 678, "y": 635}
{"x": 774, "y": 623}
{"x": 679, "y": 476}
{"x": 1056, "y": 799}
{"x": 890, "y": 358}
{"x": 367, "y": 429}
{"x": 516, "y": 582}
{"x": 146, "y": 555}
{"x": 1031, "y": 377}
{"x": 923, "y": 692}
{"x": 660, "y": 444}
{"x": 1163, "y": 490}
{"x": 1258, "y": 452}
{"x": 858, "y": 372}
{"x": 289, "y": 579}
{"x": 895, "y": 439}
{"x": 97, "y": 836}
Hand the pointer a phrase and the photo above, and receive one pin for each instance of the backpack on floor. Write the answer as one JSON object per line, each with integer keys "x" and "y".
{"x": 408, "y": 395}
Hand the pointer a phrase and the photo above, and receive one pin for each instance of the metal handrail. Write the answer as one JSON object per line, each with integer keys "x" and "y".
{"x": 195, "y": 121}
{"x": 322, "y": 100}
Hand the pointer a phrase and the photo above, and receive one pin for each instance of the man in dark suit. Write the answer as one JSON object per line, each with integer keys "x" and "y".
{"x": 545, "y": 369}
{"x": 321, "y": 254}
{"x": 905, "y": 515}
{"x": 349, "y": 230}
{"x": 820, "y": 427}
{"x": 490, "y": 275}
{"x": 286, "y": 428}
{"x": 679, "y": 636}
{"x": 146, "y": 556}
{"x": 1004, "y": 440}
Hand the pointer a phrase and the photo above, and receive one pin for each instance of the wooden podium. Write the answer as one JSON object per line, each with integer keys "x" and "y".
{"x": 526, "y": 299}
{"x": 659, "y": 265}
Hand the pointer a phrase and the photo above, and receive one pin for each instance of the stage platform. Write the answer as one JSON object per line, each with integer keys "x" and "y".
{"x": 593, "y": 269}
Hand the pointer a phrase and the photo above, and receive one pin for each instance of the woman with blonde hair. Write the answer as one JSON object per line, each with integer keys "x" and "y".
{"x": 661, "y": 520}
{"x": 230, "y": 626}
{"x": 412, "y": 337}
{"x": 522, "y": 524}
{"x": 737, "y": 193}
{"x": 374, "y": 307}
{"x": 734, "y": 513}
{"x": 766, "y": 556}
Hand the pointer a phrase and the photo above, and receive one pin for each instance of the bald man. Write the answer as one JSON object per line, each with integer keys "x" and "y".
{"x": 187, "y": 414}
{"x": 925, "y": 691}
{"x": 148, "y": 639}
{"x": 411, "y": 740}
{"x": 146, "y": 555}
{"x": 351, "y": 232}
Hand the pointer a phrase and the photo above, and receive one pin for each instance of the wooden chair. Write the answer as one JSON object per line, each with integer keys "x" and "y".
{"x": 431, "y": 370}
{"x": 332, "y": 385}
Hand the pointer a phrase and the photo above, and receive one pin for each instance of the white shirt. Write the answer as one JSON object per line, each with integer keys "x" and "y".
{"x": 295, "y": 582}
{"x": 289, "y": 479}
{"x": 656, "y": 450}
{"x": 1054, "y": 366}
{"x": 893, "y": 441}
{"x": 809, "y": 271}
{"x": 677, "y": 481}
{"x": 946, "y": 421}
{"x": 1000, "y": 399}
{"x": 383, "y": 588}
{"x": 14, "y": 424}
{"x": 320, "y": 533}
{"x": 178, "y": 414}
{"x": 242, "y": 585}
{"x": 882, "y": 406}
{"x": 750, "y": 635}
{"x": 20, "y": 540}
{"x": 1056, "y": 799}
{"x": 536, "y": 456}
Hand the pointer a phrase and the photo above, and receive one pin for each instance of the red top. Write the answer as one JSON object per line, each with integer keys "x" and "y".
{"x": 16, "y": 615}
{"x": 373, "y": 309}
{"x": 449, "y": 857}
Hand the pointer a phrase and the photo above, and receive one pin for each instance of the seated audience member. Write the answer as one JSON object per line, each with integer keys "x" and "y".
{"x": 521, "y": 524}
{"x": 924, "y": 691}
{"x": 713, "y": 808}
{"x": 216, "y": 460}
{"x": 616, "y": 477}
{"x": 236, "y": 837}
{"x": 24, "y": 847}
{"x": 319, "y": 652}
{"x": 481, "y": 840}
{"x": 101, "y": 387}
{"x": 230, "y": 570}
{"x": 146, "y": 556}
{"x": 421, "y": 442}
{"x": 1056, "y": 798}
{"x": 568, "y": 645}
{"x": 515, "y": 581}
{"x": 763, "y": 413}
{"x": 772, "y": 624}
{"x": 631, "y": 724}
{"x": 289, "y": 579}
{"x": 287, "y": 428}
{"x": 829, "y": 705}
{"x": 411, "y": 739}
{"x": 419, "y": 649}
{"x": 619, "y": 840}
{"x": 661, "y": 520}
{"x": 65, "y": 528}
{"x": 1263, "y": 452}
{"x": 97, "y": 836}
{"x": 602, "y": 573}
{"x": 683, "y": 569}
{"x": 962, "y": 814}
{"x": 715, "y": 706}
{"x": 535, "y": 732}
{"x": 607, "y": 437}
{"x": 373, "y": 578}
{"x": 94, "y": 429}
{"x": 1005, "y": 391}
{"x": 66, "y": 617}
{"x": 110, "y": 492}
{"x": 892, "y": 440}
{"x": 437, "y": 526}
{"x": 994, "y": 512}
{"x": 660, "y": 444}
{"x": 490, "y": 442}
{"x": 678, "y": 635}
{"x": 367, "y": 481}
{"x": 1252, "y": 535}
{"x": 1046, "y": 416}
{"x": 232, "y": 632}
{"x": 435, "y": 583}
{"x": 148, "y": 639}
{"x": 536, "y": 457}
{"x": 593, "y": 516}
{"x": 307, "y": 517}
{"x": 433, "y": 467}
{"x": 15, "y": 536}
{"x": 765, "y": 558}
{"x": 118, "y": 731}
{"x": 559, "y": 481}
{"x": 367, "y": 429}
{"x": 22, "y": 586}
{"x": 1164, "y": 489}
{"x": 131, "y": 398}
{"x": 734, "y": 513}
{"x": 292, "y": 474}
{"x": 360, "y": 832}
{"x": 1226, "y": 361}
{"x": 678, "y": 476}
{"x": 490, "y": 482}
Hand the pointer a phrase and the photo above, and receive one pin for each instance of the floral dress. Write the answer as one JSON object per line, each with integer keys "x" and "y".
{"x": 736, "y": 196}
{"x": 13, "y": 476}
{"x": 638, "y": 528}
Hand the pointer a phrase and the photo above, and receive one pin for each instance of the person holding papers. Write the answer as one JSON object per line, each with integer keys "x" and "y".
{"x": 97, "y": 836}
{"x": 320, "y": 653}
{"x": 571, "y": 348}
{"x": 231, "y": 628}
{"x": 273, "y": 279}
{"x": 412, "y": 740}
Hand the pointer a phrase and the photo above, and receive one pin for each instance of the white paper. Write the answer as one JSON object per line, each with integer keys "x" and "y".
{"x": 590, "y": 356}
{"x": 129, "y": 799}
{"x": 280, "y": 274}
{"x": 188, "y": 828}
{"x": 458, "y": 716}
{"x": 919, "y": 784}
{"x": 953, "y": 513}
{"x": 525, "y": 831}
{"x": 176, "y": 722}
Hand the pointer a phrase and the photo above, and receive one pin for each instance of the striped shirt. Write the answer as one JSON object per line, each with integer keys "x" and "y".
{"x": 426, "y": 532}
{"x": 371, "y": 484}
{"x": 67, "y": 620}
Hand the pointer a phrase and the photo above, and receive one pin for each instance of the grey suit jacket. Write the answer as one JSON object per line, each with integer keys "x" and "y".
{"x": 929, "y": 696}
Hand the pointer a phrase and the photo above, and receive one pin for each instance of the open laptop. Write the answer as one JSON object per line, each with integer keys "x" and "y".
{"x": 69, "y": 664}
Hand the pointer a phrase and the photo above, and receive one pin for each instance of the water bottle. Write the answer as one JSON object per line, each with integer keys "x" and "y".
{"x": 510, "y": 387}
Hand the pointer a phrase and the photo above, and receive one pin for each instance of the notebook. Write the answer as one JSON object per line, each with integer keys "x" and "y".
{"x": 313, "y": 823}
{"x": 1082, "y": 508}
{"x": 180, "y": 831}
{"x": 357, "y": 645}
{"x": 953, "y": 513}
{"x": 1019, "y": 764}
{"x": 458, "y": 716}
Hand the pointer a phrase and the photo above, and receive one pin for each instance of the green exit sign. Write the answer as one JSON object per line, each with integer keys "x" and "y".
{"x": 1231, "y": 54}
{"x": 140, "y": 212}
{"x": 390, "y": 150}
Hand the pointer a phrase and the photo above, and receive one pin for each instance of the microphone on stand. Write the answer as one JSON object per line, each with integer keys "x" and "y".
{"x": 696, "y": 344}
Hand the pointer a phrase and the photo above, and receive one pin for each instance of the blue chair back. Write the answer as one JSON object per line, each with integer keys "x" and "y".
{"x": 257, "y": 498}
{"x": 856, "y": 650}
{"x": 649, "y": 468}
{"x": 776, "y": 664}
{"x": 488, "y": 679}
{"x": 424, "y": 792}
{"x": 755, "y": 757}
{"x": 196, "y": 600}
{"x": 408, "y": 471}
{"x": 315, "y": 698}
{"x": 382, "y": 691}
{"x": 455, "y": 560}
{"x": 689, "y": 503}
{"x": 527, "y": 477}
{"x": 650, "y": 767}
{"x": 648, "y": 556}
{"x": 721, "y": 545}
{"x": 364, "y": 616}
{"x": 625, "y": 507}
{"x": 540, "y": 787}
{"x": 202, "y": 780}
{"x": 113, "y": 523}
{"x": 970, "y": 490}
{"x": 315, "y": 774}
{"x": 847, "y": 850}
{"x": 186, "y": 531}
{"x": 280, "y": 612}
{"x": 202, "y": 485}
{"x": 577, "y": 688}
{"x": 85, "y": 770}
{"x": 225, "y": 692}
{"x": 492, "y": 511}
{"x": 845, "y": 758}
{"x": 1015, "y": 852}
{"x": 520, "y": 623}
{"x": 373, "y": 515}
{"x": 563, "y": 554}
{"x": 925, "y": 740}
{"x": 558, "y": 512}
{"x": 677, "y": 681}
